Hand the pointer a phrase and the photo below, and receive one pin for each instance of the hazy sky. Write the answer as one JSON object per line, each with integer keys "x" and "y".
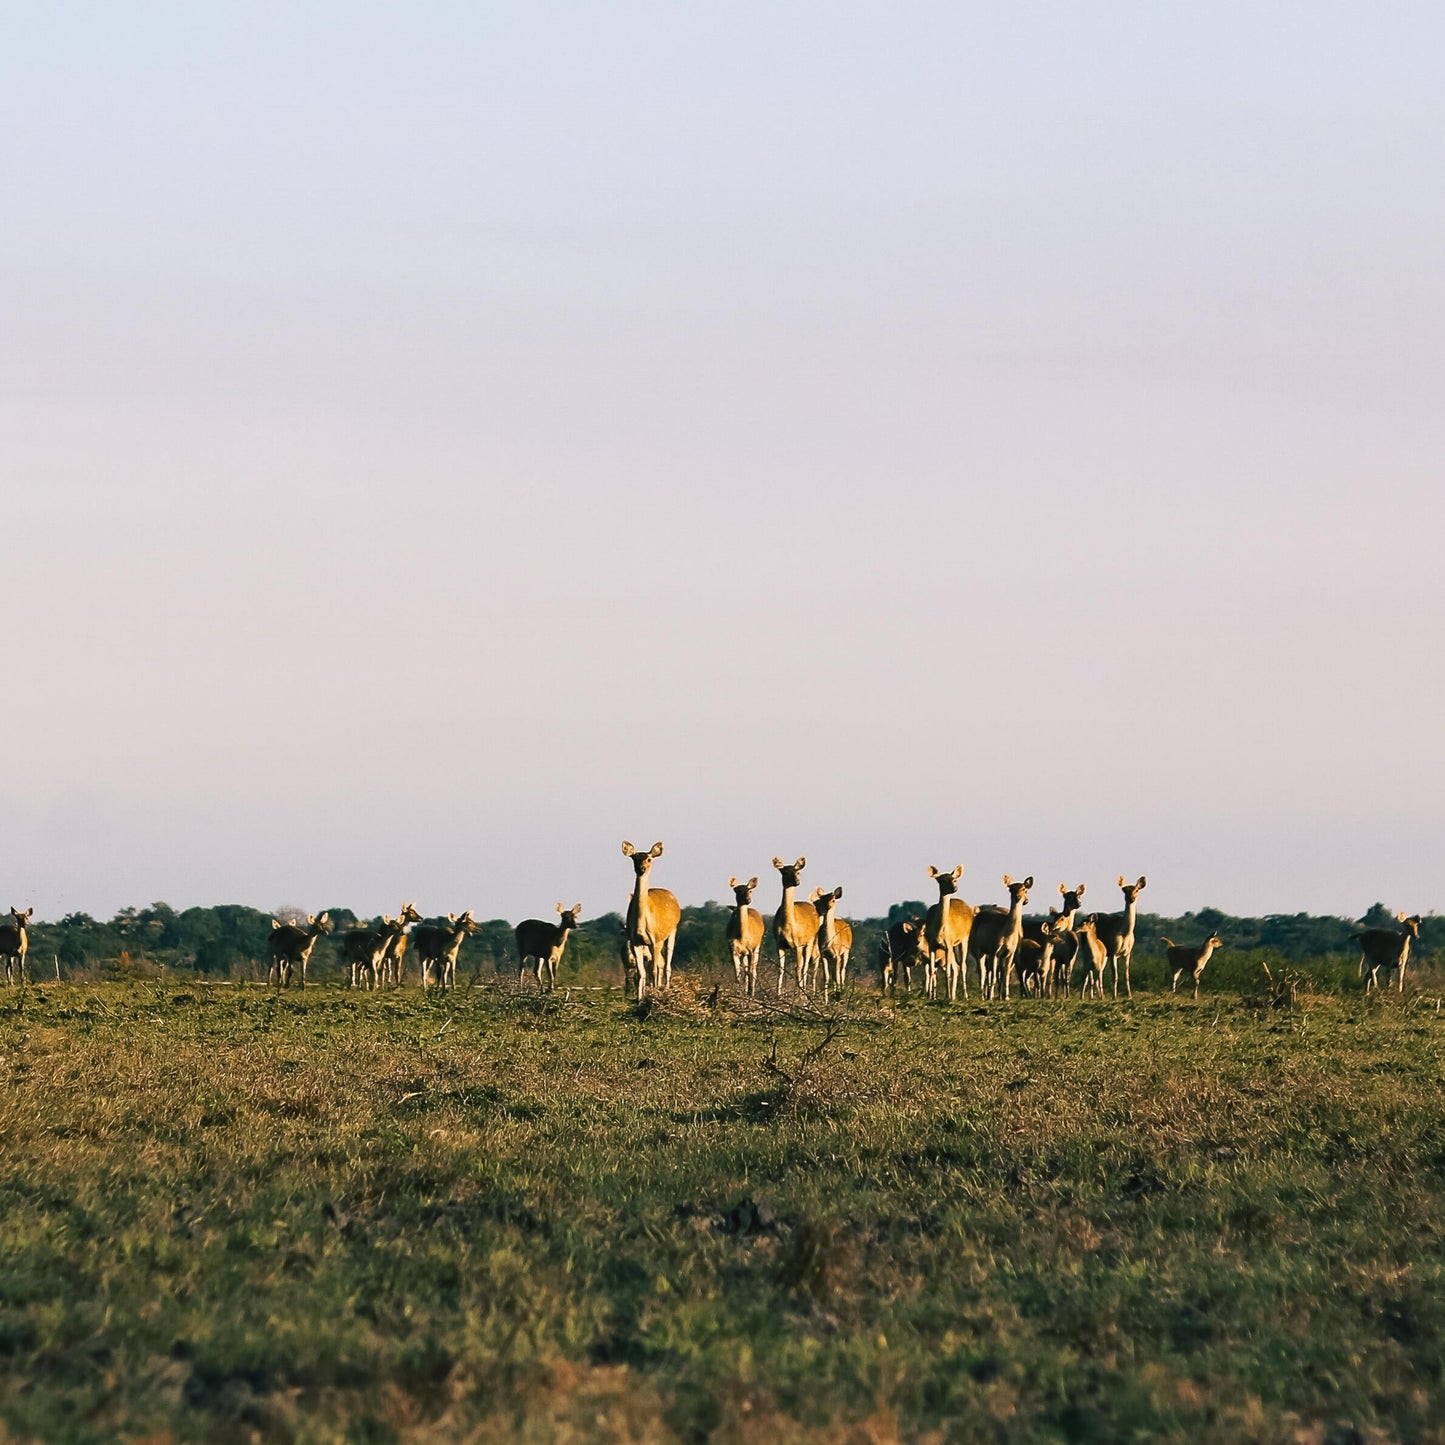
{"x": 439, "y": 441}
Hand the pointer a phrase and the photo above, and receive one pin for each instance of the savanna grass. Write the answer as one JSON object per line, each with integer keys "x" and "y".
{"x": 231, "y": 1216}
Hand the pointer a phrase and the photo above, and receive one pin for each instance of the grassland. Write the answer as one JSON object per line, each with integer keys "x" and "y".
{"x": 229, "y": 1216}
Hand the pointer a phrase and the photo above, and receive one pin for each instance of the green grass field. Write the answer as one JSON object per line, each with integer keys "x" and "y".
{"x": 231, "y": 1216}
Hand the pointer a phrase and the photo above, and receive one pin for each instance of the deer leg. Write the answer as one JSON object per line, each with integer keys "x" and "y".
{"x": 1128, "y": 987}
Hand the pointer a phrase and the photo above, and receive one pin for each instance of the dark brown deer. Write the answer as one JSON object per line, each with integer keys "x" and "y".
{"x": 1388, "y": 949}
{"x": 1189, "y": 958}
{"x": 362, "y": 950}
{"x": 902, "y": 948}
{"x": 15, "y": 944}
{"x": 437, "y": 946}
{"x": 543, "y": 944}
{"x": 291, "y": 945}
{"x": 393, "y": 958}
{"x": 1116, "y": 932}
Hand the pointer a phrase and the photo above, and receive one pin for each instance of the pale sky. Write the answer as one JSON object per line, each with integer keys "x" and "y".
{"x": 440, "y": 441}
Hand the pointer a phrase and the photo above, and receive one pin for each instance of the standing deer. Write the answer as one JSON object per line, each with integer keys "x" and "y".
{"x": 1386, "y": 948}
{"x": 1035, "y": 963}
{"x": 543, "y": 943}
{"x": 996, "y": 936}
{"x": 652, "y": 918}
{"x": 15, "y": 944}
{"x": 745, "y": 935}
{"x": 1093, "y": 954}
{"x": 362, "y": 950}
{"x": 947, "y": 929}
{"x": 437, "y": 946}
{"x": 795, "y": 926}
{"x": 393, "y": 958}
{"x": 291, "y": 946}
{"x": 1116, "y": 932}
{"x": 835, "y": 938}
{"x": 1066, "y": 946}
{"x": 1189, "y": 958}
{"x": 901, "y": 948}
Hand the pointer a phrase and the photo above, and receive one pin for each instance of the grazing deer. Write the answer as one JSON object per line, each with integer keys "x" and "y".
{"x": 1093, "y": 953}
{"x": 652, "y": 918}
{"x": 1116, "y": 932}
{"x": 835, "y": 938}
{"x": 543, "y": 943}
{"x": 15, "y": 943}
{"x": 437, "y": 946}
{"x": 362, "y": 950}
{"x": 1189, "y": 958}
{"x": 901, "y": 947}
{"x": 393, "y": 959}
{"x": 1386, "y": 948}
{"x": 795, "y": 926}
{"x": 291, "y": 946}
{"x": 947, "y": 929}
{"x": 996, "y": 936}
{"x": 745, "y": 935}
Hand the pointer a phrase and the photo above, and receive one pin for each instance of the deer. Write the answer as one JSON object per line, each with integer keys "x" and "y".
{"x": 835, "y": 938}
{"x": 543, "y": 943}
{"x": 745, "y": 935}
{"x": 437, "y": 946}
{"x": 946, "y": 929}
{"x": 1386, "y": 948}
{"x": 1061, "y": 959}
{"x": 795, "y": 926}
{"x": 291, "y": 945}
{"x": 362, "y": 950}
{"x": 1093, "y": 953}
{"x": 1034, "y": 961}
{"x": 901, "y": 947}
{"x": 996, "y": 936}
{"x": 1189, "y": 958}
{"x": 393, "y": 959}
{"x": 652, "y": 918}
{"x": 15, "y": 943}
{"x": 1116, "y": 932}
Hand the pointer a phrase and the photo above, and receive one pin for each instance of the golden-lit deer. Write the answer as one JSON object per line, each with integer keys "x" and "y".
{"x": 15, "y": 944}
{"x": 745, "y": 935}
{"x": 393, "y": 958}
{"x": 1116, "y": 932}
{"x": 543, "y": 943}
{"x": 996, "y": 936}
{"x": 1065, "y": 945}
{"x": 902, "y": 948}
{"x": 835, "y": 939}
{"x": 291, "y": 945}
{"x": 652, "y": 918}
{"x": 437, "y": 946}
{"x": 1388, "y": 949}
{"x": 947, "y": 929}
{"x": 1093, "y": 954}
{"x": 795, "y": 926}
{"x": 1189, "y": 958}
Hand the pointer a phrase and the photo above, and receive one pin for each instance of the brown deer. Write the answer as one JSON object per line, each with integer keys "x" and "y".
{"x": 437, "y": 946}
{"x": 996, "y": 936}
{"x": 1116, "y": 932}
{"x": 1189, "y": 958}
{"x": 795, "y": 926}
{"x": 291, "y": 945}
{"x": 652, "y": 918}
{"x": 835, "y": 939}
{"x": 362, "y": 950}
{"x": 902, "y": 948}
{"x": 947, "y": 929}
{"x": 15, "y": 944}
{"x": 1066, "y": 946}
{"x": 543, "y": 943}
{"x": 393, "y": 959}
{"x": 745, "y": 935}
{"x": 1386, "y": 948}
{"x": 1034, "y": 962}
{"x": 1093, "y": 953}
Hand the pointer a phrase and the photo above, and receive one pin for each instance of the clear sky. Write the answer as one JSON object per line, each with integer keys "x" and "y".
{"x": 440, "y": 441}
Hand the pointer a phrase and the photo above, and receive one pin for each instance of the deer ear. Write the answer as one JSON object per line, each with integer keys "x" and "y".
{"x": 958, "y": 873}
{"x": 732, "y": 882}
{"x": 932, "y": 871}
{"x": 838, "y": 891}
{"x": 801, "y": 864}
{"x": 1121, "y": 880}
{"x": 1007, "y": 881}
{"x": 1029, "y": 881}
{"x": 451, "y": 918}
{"x": 655, "y": 851}
{"x": 777, "y": 862}
{"x": 386, "y": 918}
{"x": 275, "y": 923}
{"x": 815, "y": 895}
{"x": 560, "y": 909}
{"x": 627, "y": 849}
{"x": 576, "y": 909}
{"x": 753, "y": 881}
{"x": 311, "y": 918}
{"x": 1401, "y": 915}
{"x": 1080, "y": 890}
{"x": 1062, "y": 889}
{"x": 1142, "y": 881}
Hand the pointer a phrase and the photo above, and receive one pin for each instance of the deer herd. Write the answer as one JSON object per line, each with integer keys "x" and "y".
{"x": 1040, "y": 955}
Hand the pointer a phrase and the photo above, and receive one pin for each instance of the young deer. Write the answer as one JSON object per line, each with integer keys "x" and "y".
{"x": 996, "y": 936}
{"x": 15, "y": 944}
{"x": 1066, "y": 946}
{"x": 1093, "y": 953}
{"x": 745, "y": 935}
{"x": 437, "y": 946}
{"x": 901, "y": 947}
{"x": 291, "y": 946}
{"x": 543, "y": 943}
{"x": 1386, "y": 948}
{"x": 947, "y": 929}
{"x": 1034, "y": 962}
{"x": 1189, "y": 958}
{"x": 795, "y": 926}
{"x": 652, "y": 918}
{"x": 1116, "y": 932}
{"x": 835, "y": 939}
{"x": 393, "y": 958}
{"x": 362, "y": 950}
